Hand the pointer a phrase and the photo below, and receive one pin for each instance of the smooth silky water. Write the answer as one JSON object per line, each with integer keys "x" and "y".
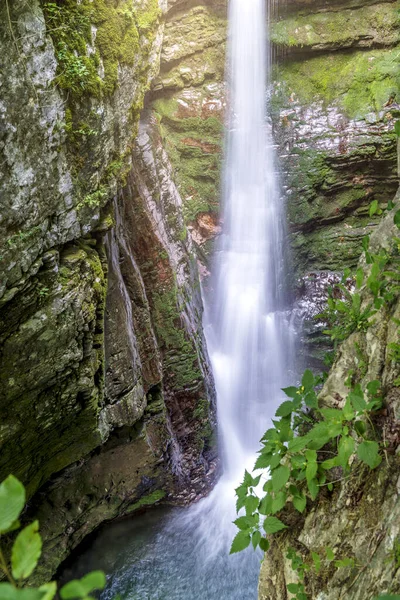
{"x": 183, "y": 554}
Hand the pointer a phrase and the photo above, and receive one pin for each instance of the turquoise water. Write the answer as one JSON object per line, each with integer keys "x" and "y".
{"x": 155, "y": 557}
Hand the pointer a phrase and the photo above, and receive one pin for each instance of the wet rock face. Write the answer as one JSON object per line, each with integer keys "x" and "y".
{"x": 52, "y": 357}
{"x": 334, "y": 101}
{"x": 333, "y": 114}
{"x": 106, "y": 387}
{"x": 360, "y": 519}
{"x": 188, "y": 102}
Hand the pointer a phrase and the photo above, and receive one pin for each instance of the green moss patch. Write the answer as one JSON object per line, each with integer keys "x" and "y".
{"x": 148, "y": 500}
{"x": 359, "y": 83}
{"x": 180, "y": 357}
{"x": 92, "y": 38}
{"x": 378, "y": 24}
{"x": 193, "y": 144}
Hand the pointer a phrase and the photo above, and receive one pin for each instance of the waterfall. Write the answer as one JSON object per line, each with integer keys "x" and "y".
{"x": 248, "y": 335}
{"x": 245, "y": 324}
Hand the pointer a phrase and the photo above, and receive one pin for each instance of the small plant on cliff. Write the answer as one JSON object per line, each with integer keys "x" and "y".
{"x": 307, "y": 448}
{"x": 346, "y": 312}
{"x": 25, "y": 553}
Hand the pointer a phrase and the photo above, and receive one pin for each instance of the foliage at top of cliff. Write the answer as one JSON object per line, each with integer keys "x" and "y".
{"x": 92, "y": 39}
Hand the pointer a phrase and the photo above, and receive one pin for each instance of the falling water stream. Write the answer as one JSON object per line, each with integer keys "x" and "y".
{"x": 183, "y": 554}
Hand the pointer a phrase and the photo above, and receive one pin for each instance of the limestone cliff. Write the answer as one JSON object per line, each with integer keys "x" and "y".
{"x": 360, "y": 518}
{"x": 334, "y": 101}
{"x": 107, "y": 398}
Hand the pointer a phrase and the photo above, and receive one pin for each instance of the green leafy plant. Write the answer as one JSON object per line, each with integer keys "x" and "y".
{"x": 26, "y": 551}
{"x": 318, "y": 562}
{"x": 307, "y": 448}
{"x": 344, "y": 313}
{"x": 374, "y": 208}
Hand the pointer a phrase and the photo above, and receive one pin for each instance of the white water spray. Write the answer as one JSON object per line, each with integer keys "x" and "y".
{"x": 245, "y": 332}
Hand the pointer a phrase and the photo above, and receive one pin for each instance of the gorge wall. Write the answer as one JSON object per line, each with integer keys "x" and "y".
{"x": 107, "y": 396}
{"x": 111, "y": 147}
{"x": 334, "y": 104}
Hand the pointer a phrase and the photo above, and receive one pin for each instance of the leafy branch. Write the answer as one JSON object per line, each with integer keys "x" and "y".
{"x": 26, "y": 551}
{"x": 303, "y": 451}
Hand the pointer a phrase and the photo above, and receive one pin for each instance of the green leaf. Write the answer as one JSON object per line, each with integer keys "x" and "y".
{"x": 285, "y": 409}
{"x": 263, "y": 461}
{"x": 241, "y": 491}
{"x": 330, "y": 555}
{"x": 385, "y": 596}
{"x": 12, "y": 501}
{"x": 49, "y": 590}
{"x": 265, "y": 507}
{"x": 251, "y": 504}
{"x": 256, "y": 538}
{"x": 248, "y": 479}
{"x": 365, "y": 242}
{"x": 359, "y": 278}
{"x": 332, "y": 414}
{"x": 273, "y": 525}
{"x": 373, "y": 208}
{"x": 9, "y": 592}
{"x": 293, "y": 588}
{"x": 360, "y": 427}
{"x": 396, "y": 219}
{"x": 241, "y": 541}
{"x": 317, "y": 561}
{"x": 299, "y": 502}
{"x": 298, "y": 443}
{"x": 245, "y": 523}
{"x": 96, "y": 580}
{"x": 291, "y": 392}
{"x": 16, "y": 525}
{"x": 26, "y": 551}
{"x": 267, "y": 487}
{"x": 275, "y": 460}
{"x": 348, "y": 412}
{"x": 270, "y": 434}
{"x": 240, "y": 502}
{"x": 279, "y": 502}
{"x": 311, "y": 471}
{"x": 279, "y": 477}
{"x": 345, "y": 450}
{"x": 330, "y": 463}
{"x": 264, "y": 544}
{"x": 368, "y": 452}
{"x": 357, "y": 400}
{"x": 307, "y": 380}
{"x": 311, "y": 399}
{"x": 313, "y": 488}
{"x": 397, "y": 132}
{"x": 373, "y": 387}
{"x": 285, "y": 430}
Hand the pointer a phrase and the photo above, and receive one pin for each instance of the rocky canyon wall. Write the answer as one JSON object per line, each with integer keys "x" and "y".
{"x": 107, "y": 397}
{"x": 111, "y": 147}
{"x": 334, "y": 101}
